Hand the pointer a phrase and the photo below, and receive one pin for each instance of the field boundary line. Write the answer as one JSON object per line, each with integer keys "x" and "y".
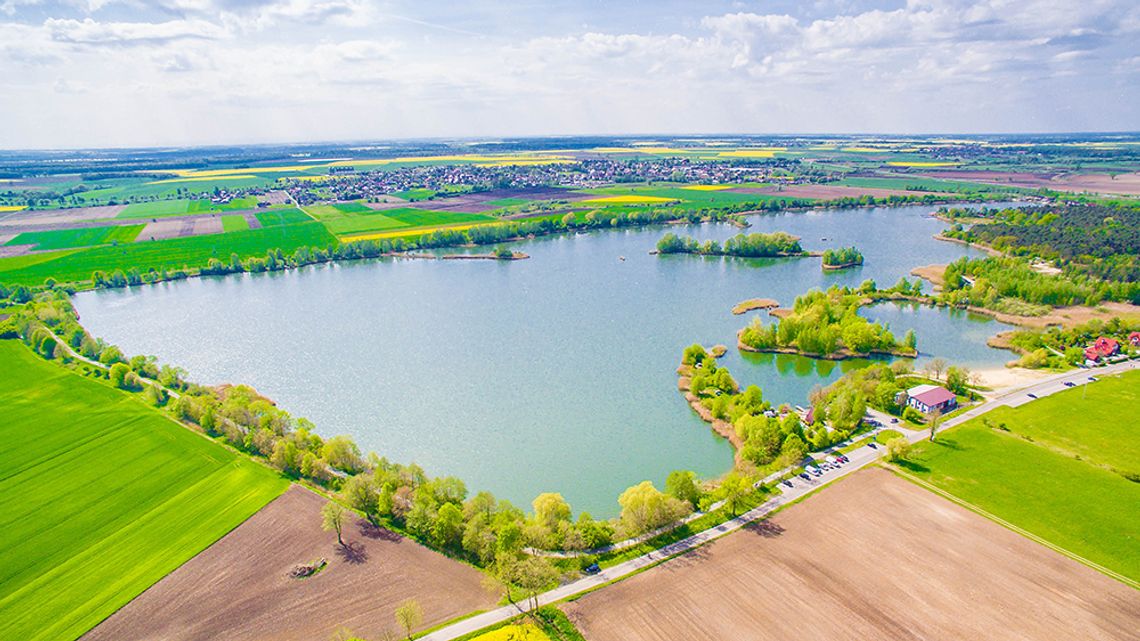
{"x": 1015, "y": 528}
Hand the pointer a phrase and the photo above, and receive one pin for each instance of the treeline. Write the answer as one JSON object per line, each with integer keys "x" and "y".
{"x": 437, "y": 511}
{"x": 277, "y": 260}
{"x": 990, "y": 282}
{"x": 827, "y": 323}
{"x": 755, "y": 245}
{"x": 842, "y": 257}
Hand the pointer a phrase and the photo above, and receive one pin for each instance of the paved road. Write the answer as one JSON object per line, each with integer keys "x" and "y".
{"x": 859, "y": 458}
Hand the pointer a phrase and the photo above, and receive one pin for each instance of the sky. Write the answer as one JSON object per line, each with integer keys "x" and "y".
{"x": 123, "y": 73}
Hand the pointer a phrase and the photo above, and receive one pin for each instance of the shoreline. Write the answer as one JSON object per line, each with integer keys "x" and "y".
{"x": 827, "y": 267}
{"x": 722, "y": 428}
{"x": 985, "y": 248}
{"x": 753, "y": 304}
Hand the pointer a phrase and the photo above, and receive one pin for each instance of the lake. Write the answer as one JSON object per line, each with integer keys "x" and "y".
{"x": 555, "y": 373}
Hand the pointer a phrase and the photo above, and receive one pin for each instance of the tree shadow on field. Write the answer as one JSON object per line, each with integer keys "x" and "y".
{"x": 687, "y": 559}
{"x": 949, "y": 444}
{"x": 352, "y": 552}
{"x": 767, "y": 529}
{"x": 375, "y": 532}
{"x": 911, "y": 466}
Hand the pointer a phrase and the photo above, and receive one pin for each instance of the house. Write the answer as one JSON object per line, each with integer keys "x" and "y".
{"x": 1103, "y": 347}
{"x": 1134, "y": 339}
{"x": 927, "y": 398}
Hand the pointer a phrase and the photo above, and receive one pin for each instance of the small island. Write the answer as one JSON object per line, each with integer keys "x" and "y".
{"x": 825, "y": 325}
{"x": 745, "y": 306}
{"x": 758, "y": 245}
{"x": 842, "y": 258}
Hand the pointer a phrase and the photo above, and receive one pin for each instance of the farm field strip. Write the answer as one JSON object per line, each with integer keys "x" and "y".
{"x": 102, "y": 496}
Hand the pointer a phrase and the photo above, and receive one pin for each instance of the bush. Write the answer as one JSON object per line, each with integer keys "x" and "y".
{"x": 913, "y": 415}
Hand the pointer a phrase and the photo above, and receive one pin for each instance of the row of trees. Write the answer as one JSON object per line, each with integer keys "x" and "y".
{"x": 755, "y": 245}
{"x": 827, "y": 323}
{"x": 438, "y": 511}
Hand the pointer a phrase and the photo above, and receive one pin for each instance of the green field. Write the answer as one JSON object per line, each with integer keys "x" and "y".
{"x": 72, "y": 238}
{"x": 355, "y": 218}
{"x": 100, "y": 497}
{"x": 182, "y": 207}
{"x": 175, "y": 253}
{"x": 234, "y": 222}
{"x": 927, "y": 184}
{"x": 278, "y": 217}
{"x": 1054, "y": 470}
{"x": 414, "y": 194}
{"x": 103, "y": 191}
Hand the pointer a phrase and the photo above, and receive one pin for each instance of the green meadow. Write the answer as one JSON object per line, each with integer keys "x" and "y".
{"x": 920, "y": 183}
{"x": 101, "y": 496}
{"x": 1054, "y": 467}
{"x": 174, "y": 253}
{"x": 84, "y": 237}
{"x": 234, "y": 222}
{"x": 355, "y": 218}
{"x": 182, "y": 207}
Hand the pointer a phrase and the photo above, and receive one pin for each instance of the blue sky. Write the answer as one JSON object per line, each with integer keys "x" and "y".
{"x": 77, "y": 73}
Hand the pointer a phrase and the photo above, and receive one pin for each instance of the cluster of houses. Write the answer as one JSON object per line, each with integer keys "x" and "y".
{"x": 1105, "y": 348}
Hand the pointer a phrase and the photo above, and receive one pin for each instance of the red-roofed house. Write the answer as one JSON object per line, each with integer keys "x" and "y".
{"x": 927, "y": 398}
{"x": 1134, "y": 338}
{"x": 1103, "y": 347}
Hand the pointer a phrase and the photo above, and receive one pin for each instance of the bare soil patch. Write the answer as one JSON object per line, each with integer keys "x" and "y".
{"x": 240, "y": 588}
{"x": 164, "y": 228}
{"x": 933, "y": 273}
{"x": 1127, "y": 184}
{"x": 825, "y": 192}
{"x": 46, "y": 217}
{"x": 1066, "y": 316}
{"x": 874, "y": 557}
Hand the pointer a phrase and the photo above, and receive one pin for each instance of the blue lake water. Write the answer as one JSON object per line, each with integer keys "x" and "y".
{"x": 549, "y": 374}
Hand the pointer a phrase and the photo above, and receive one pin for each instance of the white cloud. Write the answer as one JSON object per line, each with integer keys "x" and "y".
{"x": 90, "y": 32}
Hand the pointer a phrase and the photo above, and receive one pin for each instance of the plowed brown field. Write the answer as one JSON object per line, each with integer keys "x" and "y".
{"x": 239, "y": 588}
{"x": 873, "y": 557}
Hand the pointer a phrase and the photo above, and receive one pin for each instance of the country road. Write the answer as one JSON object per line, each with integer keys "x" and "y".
{"x": 859, "y": 458}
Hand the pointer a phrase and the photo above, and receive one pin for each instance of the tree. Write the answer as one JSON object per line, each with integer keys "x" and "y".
{"x": 935, "y": 415}
{"x": 898, "y": 449}
{"x": 682, "y": 484}
{"x": 550, "y": 509}
{"x": 533, "y": 574}
{"x": 936, "y": 366}
{"x": 644, "y": 507}
{"x": 957, "y": 379}
{"x": 409, "y": 616}
{"x": 332, "y": 518}
{"x": 733, "y": 489}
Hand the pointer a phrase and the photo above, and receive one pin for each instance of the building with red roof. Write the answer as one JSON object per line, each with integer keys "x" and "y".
{"x": 927, "y": 398}
{"x": 1103, "y": 347}
{"x": 1134, "y": 339}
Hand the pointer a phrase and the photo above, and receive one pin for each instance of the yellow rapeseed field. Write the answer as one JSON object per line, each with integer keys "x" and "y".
{"x": 201, "y": 179}
{"x": 767, "y": 152}
{"x": 214, "y": 173}
{"x": 627, "y": 200}
{"x": 410, "y": 231}
{"x": 707, "y": 187}
{"x": 11, "y": 208}
{"x": 524, "y": 632}
{"x": 920, "y": 163}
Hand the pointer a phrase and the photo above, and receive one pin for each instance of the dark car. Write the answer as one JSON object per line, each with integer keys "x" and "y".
{"x": 1092, "y": 378}
{"x": 1070, "y": 384}
{"x": 843, "y": 458}
{"x": 804, "y": 476}
{"x": 1031, "y": 395}
{"x": 894, "y": 420}
{"x": 788, "y": 483}
{"x": 592, "y": 569}
{"x": 872, "y": 446}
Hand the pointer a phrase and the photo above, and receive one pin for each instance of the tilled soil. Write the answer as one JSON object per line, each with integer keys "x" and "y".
{"x": 240, "y": 587}
{"x": 874, "y": 557}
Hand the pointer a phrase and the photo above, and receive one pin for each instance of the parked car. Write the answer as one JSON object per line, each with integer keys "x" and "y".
{"x": 843, "y": 458}
{"x": 788, "y": 483}
{"x": 894, "y": 420}
{"x": 872, "y": 446}
{"x": 1070, "y": 384}
{"x": 1092, "y": 378}
{"x": 592, "y": 569}
{"x": 1031, "y": 395}
{"x": 804, "y": 476}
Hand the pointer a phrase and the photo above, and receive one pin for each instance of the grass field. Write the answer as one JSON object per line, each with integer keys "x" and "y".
{"x": 234, "y": 222}
{"x": 278, "y": 217}
{"x": 926, "y": 184}
{"x": 182, "y": 207}
{"x": 100, "y": 497}
{"x": 72, "y": 238}
{"x": 344, "y": 219}
{"x": 175, "y": 253}
{"x": 1050, "y": 473}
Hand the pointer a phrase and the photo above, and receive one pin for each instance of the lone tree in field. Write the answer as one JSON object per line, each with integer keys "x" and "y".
{"x": 409, "y": 616}
{"x": 898, "y": 449}
{"x": 332, "y": 518}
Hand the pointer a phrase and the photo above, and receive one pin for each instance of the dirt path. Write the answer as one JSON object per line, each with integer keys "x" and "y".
{"x": 874, "y": 557}
{"x": 239, "y": 588}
